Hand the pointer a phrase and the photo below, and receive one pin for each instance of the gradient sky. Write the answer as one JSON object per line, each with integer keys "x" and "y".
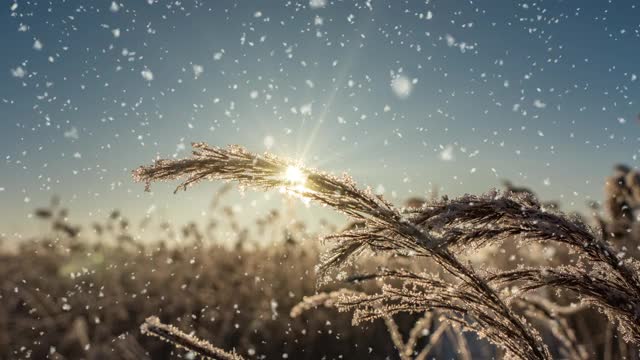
{"x": 404, "y": 95}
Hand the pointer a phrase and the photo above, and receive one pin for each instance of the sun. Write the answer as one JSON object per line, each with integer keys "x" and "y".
{"x": 295, "y": 180}
{"x": 295, "y": 176}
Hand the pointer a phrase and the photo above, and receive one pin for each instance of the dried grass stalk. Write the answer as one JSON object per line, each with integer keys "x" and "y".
{"x": 268, "y": 171}
{"x": 595, "y": 288}
{"x": 153, "y": 327}
{"x": 406, "y": 349}
{"x": 552, "y": 315}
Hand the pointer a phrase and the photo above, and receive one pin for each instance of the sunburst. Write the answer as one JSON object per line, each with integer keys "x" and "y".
{"x": 295, "y": 182}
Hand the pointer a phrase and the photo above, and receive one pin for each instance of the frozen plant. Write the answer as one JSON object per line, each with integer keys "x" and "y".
{"x": 443, "y": 231}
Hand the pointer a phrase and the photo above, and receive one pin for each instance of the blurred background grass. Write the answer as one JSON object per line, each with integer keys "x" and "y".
{"x": 82, "y": 293}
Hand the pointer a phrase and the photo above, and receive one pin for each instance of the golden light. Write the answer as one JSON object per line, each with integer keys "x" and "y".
{"x": 294, "y": 176}
{"x": 296, "y": 180}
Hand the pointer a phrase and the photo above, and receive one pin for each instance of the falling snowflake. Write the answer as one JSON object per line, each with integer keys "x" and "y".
{"x": 197, "y": 70}
{"x": 18, "y": 72}
{"x": 306, "y": 109}
{"x": 401, "y": 86}
{"x": 269, "y": 141}
{"x": 450, "y": 40}
{"x": 447, "y": 153}
{"x": 317, "y": 4}
{"x": 72, "y": 133}
{"x": 539, "y": 104}
{"x": 147, "y": 74}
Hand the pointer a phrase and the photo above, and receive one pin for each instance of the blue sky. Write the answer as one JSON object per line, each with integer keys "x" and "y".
{"x": 404, "y": 95}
